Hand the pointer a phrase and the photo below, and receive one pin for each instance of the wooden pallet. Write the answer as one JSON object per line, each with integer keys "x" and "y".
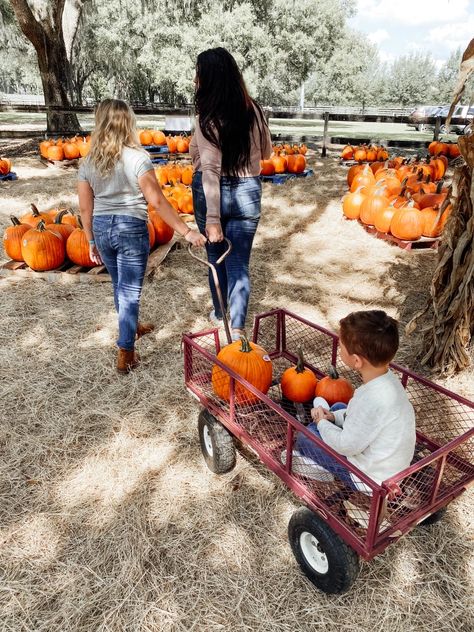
{"x": 64, "y": 164}
{"x": 424, "y": 243}
{"x": 71, "y": 273}
{"x": 281, "y": 178}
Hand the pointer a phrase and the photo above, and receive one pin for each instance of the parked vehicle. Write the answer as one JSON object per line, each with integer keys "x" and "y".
{"x": 460, "y": 111}
{"x": 421, "y": 112}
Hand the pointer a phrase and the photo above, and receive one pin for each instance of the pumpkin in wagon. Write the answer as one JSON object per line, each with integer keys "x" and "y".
{"x": 334, "y": 388}
{"x": 298, "y": 382}
{"x": 248, "y": 360}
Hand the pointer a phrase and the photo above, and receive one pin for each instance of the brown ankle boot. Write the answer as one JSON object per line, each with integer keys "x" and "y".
{"x": 127, "y": 360}
{"x": 144, "y": 328}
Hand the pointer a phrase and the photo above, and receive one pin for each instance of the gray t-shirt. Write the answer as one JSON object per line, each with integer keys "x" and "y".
{"x": 119, "y": 193}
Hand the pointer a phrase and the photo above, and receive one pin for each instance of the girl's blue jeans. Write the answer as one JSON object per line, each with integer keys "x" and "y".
{"x": 240, "y": 214}
{"x": 123, "y": 244}
{"x": 308, "y": 448}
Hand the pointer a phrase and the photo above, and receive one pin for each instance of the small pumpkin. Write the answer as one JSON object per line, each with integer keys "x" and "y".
{"x": 351, "y": 204}
{"x": 55, "y": 152}
{"x": 42, "y": 249}
{"x": 146, "y": 137}
{"x": 71, "y": 151}
{"x": 248, "y": 360}
{"x": 347, "y": 152}
{"x": 77, "y": 247}
{"x": 5, "y": 166}
{"x": 34, "y": 217}
{"x": 298, "y": 382}
{"x": 12, "y": 238}
{"x": 159, "y": 138}
{"x": 163, "y": 232}
{"x": 171, "y": 142}
{"x": 334, "y": 388}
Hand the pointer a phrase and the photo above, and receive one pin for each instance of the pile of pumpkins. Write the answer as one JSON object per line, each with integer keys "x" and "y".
{"x": 5, "y": 166}
{"x": 364, "y": 153}
{"x": 176, "y": 144}
{"x": 65, "y": 149}
{"x": 43, "y": 239}
{"x": 285, "y": 159}
{"x": 298, "y": 383}
{"x": 439, "y": 148}
{"x": 175, "y": 180}
{"x": 407, "y": 199}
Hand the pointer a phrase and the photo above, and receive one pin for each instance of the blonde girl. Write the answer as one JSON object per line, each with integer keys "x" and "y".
{"x": 115, "y": 183}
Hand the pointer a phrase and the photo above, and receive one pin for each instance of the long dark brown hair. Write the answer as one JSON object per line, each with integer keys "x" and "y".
{"x": 227, "y": 114}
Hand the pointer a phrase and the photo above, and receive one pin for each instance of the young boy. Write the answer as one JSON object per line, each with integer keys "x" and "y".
{"x": 376, "y": 432}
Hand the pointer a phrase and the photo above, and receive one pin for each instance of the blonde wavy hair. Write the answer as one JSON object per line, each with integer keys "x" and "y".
{"x": 115, "y": 128}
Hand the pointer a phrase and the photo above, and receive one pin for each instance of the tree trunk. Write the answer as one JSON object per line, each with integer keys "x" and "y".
{"x": 46, "y": 35}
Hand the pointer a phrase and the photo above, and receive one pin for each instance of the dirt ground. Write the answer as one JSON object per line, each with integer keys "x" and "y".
{"x": 109, "y": 518}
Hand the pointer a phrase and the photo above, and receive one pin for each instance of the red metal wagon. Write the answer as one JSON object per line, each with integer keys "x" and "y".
{"x": 337, "y": 525}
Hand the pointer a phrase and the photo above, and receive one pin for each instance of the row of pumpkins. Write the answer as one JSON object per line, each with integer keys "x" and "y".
{"x": 43, "y": 239}
{"x": 65, "y": 149}
{"x": 175, "y": 181}
{"x": 5, "y": 166}
{"x": 408, "y": 200}
{"x": 176, "y": 144}
{"x": 298, "y": 383}
{"x": 285, "y": 159}
{"x": 364, "y": 153}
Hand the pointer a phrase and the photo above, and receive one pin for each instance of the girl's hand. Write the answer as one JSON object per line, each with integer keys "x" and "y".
{"x": 94, "y": 255}
{"x": 214, "y": 233}
{"x": 321, "y": 413}
{"x": 195, "y": 238}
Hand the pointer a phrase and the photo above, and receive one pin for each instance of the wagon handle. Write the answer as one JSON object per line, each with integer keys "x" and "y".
{"x": 216, "y": 282}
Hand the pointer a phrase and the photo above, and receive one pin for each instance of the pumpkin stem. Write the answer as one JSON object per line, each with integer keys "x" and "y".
{"x": 61, "y": 214}
{"x": 34, "y": 210}
{"x": 439, "y": 186}
{"x": 245, "y": 344}
{"x": 41, "y": 226}
{"x": 15, "y": 221}
{"x": 333, "y": 374}
{"x": 300, "y": 368}
{"x": 79, "y": 221}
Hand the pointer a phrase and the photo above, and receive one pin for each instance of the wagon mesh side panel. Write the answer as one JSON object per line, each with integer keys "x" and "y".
{"x": 267, "y": 328}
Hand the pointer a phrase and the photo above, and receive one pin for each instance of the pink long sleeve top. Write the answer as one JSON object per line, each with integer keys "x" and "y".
{"x": 207, "y": 158}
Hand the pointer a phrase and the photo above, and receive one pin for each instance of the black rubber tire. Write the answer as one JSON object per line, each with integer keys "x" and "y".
{"x": 222, "y": 457}
{"x": 343, "y": 562}
{"x": 433, "y": 518}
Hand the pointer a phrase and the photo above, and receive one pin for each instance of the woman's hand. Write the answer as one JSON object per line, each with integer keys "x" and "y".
{"x": 195, "y": 238}
{"x": 94, "y": 255}
{"x": 214, "y": 233}
{"x": 321, "y": 413}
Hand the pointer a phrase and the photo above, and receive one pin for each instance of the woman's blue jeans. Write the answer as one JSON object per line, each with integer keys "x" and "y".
{"x": 123, "y": 244}
{"x": 240, "y": 214}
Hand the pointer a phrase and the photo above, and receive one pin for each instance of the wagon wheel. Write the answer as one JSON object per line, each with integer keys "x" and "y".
{"x": 326, "y": 560}
{"x": 217, "y": 444}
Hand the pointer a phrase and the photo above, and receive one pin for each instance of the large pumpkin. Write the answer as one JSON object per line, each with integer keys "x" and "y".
{"x": 370, "y": 206}
{"x": 248, "y": 360}
{"x": 12, "y": 238}
{"x": 55, "y": 152}
{"x": 383, "y": 218}
{"x": 60, "y": 226}
{"x": 432, "y": 222}
{"x": 351, "y": 204}
{"x": 298, "y": 382}
{"x": 77, "y": 247}
{"x": 34, "y": 217}
{"x": 334, "y": 388}
{"x": 146, "y": 137}
{"x": 296, "y": 163}
{"x": 71, "y": 151}
{"x": 163, "y": 232}
{"x": 159, "y": 138}
{"x": 42, "y": 249}
{"x": 407, "y": 224}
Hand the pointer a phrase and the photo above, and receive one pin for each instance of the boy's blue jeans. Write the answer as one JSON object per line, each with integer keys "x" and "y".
{"x": 240, "y": 214}
{"x": 308, "y": 448}
{"x": 123, "y": 244}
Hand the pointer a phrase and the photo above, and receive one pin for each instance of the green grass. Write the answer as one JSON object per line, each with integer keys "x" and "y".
{"x": 373, "y": 131}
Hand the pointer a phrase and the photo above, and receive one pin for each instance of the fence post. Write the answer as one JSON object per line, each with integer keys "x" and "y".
{"x": 325, "y": 134}
{"x": 436, "y": 129}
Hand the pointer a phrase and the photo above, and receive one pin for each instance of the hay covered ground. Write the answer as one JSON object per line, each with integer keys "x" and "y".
{"x": 109, "y": 519}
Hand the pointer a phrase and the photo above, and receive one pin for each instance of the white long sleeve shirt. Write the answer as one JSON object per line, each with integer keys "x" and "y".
{"x": 377, "y": 430}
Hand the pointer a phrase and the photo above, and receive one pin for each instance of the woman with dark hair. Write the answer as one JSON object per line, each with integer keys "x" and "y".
{"x": 230, "y": 139}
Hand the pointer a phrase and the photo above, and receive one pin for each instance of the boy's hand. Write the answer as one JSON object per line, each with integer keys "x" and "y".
{"x": 321, "y": 413}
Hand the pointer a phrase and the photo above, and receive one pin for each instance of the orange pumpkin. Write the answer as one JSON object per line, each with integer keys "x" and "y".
{"x": 407, "y": 224}
{"x": 187, "y": 175}
{"x": 360, "y": 154}
{"x": 370, "y": 206}
{"x": 248, "y": 360}
{"x": 432, "y": 222}
{"x": 151, "y": 233}
{"x": 163, "y": 232}
{"x": 34, "y": 217}
{"x": 12, "y": 238}
{"x": 84, "y": 147}
{"x": 71, "y": 151}
{"x": 182, "y": 145}
{"x": 296, "y": 163}
{"x": 298, "y": 383}
{"x": 334, "y": 388}
{"x": 351, "y": 204}
{"x": 159, "y": 138}
{"x": 267, "y": 168}
{"x": 42, "y": 249}
{"x": 363, "y": 179}
{"x": 280, "y": 163}
{"x": 55, "y": 152}
{"x": 60, "y": 225}
{"x": 44, "y": 146}
{"x": 146, "y": 137}
{"x": 171, "y": 142}
{"x": 77, "y": 247}
{"x": 347, "y": 152}
{"x": 454, "y": 150}
{"x": 5, "y": 166}
{"x": 383, "y": 218}
{"x": 351, "y": 174}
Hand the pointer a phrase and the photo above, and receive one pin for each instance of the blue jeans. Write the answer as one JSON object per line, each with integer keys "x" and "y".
{"x": 308, "y": 448}
{"x": 240, "y": 214}
{"x": 124, "y": 245}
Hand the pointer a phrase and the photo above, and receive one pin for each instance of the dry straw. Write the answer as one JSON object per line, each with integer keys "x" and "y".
{"x": 109, "y": 519}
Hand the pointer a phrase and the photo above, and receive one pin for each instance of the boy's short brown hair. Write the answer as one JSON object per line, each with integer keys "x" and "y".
{"x": 371, "y": 334}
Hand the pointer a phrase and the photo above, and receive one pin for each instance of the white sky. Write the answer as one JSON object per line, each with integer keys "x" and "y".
{"x": 432, "y": 26}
